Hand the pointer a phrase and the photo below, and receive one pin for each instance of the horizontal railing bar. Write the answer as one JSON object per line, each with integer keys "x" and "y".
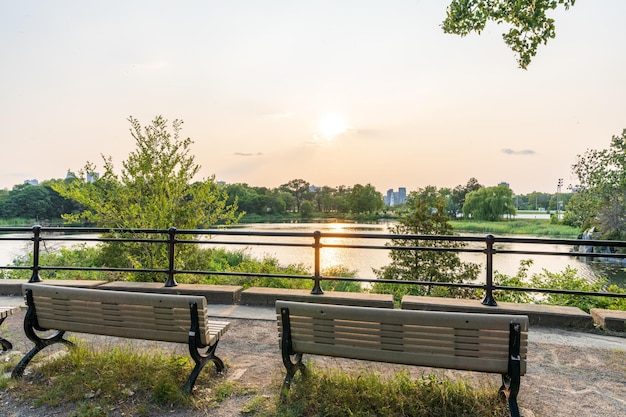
{"x": 570, "y": 254}
{"x": 488, "y": 246}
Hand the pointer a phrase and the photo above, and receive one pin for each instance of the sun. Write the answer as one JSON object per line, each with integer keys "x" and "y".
{"x": 331, "y": 125}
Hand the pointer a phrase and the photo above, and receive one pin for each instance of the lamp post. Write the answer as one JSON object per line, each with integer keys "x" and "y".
{"x": 558, "y": 191}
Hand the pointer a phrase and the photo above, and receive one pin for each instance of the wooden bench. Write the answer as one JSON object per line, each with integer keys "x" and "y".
{"x": 494, "y": 343}
{"x": 148, "y": 316}
{"x": 6, "y": 311}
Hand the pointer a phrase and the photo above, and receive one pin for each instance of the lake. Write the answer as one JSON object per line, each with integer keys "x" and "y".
{"x": 363, "y": 261}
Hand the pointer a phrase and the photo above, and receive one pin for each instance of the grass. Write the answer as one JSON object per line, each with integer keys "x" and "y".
{"x": 532, "y": 227}
{"x": 366, "y": 393}
{"x": 121, "y": 380}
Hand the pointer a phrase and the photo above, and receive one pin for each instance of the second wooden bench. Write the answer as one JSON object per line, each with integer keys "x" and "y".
{"x": 494, "y": 343}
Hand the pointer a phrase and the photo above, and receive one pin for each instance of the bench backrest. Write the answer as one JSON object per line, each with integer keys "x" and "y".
{"x": 466, "y": 341}
{"x": 150, "y": 316}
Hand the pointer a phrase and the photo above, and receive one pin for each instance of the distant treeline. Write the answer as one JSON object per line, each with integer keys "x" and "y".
{"x": 296, "y": 197}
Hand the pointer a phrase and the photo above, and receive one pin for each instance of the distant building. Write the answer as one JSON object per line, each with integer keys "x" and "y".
{"x": 31, "y": 182}
{"x": 506, "y": 184}
{"x": 90, "y": 177}
{"x": 395, "y": 198}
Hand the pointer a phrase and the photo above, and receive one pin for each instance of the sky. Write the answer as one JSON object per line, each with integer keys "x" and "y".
{"x": 338, "y": 92}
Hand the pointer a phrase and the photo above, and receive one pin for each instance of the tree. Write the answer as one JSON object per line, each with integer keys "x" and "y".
{"x": 324, "y": 199}
{"x": 529, "y": 21}
{"x": 601, "y": 196}
{"x": 490, "y": 203}
{"x": 298, "y": 188}
{"x": 154, "y": 190}
{"x": 365, "y": 199}
{"x": 306, "y": 209}
{"x": 35, "y": 202}
{"x": 426, "y": 216}
{"x": 457, "y": 196}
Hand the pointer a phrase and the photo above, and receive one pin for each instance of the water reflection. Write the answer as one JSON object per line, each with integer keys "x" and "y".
{"x": 364, "y": 261}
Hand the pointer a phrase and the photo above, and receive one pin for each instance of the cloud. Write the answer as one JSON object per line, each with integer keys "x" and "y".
{"x": 248, "y": 154}
{"x": 319, "y": 139}
{"x": 522, "y": 152}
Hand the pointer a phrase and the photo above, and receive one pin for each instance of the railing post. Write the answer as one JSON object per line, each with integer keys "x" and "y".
{"x": 489, "y": 251}
{"x": 171, "y": 281}
{"x": 317, "y": 289}
{"x": 36, "y": 239}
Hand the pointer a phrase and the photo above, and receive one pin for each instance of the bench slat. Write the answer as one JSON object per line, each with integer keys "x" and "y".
{"x": 116, "y": 297}
{"x": 150, "y": 316}
{"x": 392, "y": 316}
{"x": 134, "y": 333}
{"x": 408, "y": 358}
{"x": 375, "y": 334}
{"x": 452, "y": 349}
{"x": 473, "y": 342}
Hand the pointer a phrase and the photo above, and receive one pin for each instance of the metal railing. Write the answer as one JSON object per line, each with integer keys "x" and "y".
{"x": 315, "y": 240}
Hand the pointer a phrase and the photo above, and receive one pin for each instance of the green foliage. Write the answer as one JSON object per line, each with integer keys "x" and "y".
{"x": 528, "y": 21}
{"x": 36, "y": 203}
{"x": 134, "y": 381}
{"x": 456, "y": 196}
{"x": 364, "y": 393}
{"x": 78, "y": 256}
{"x": 344, "y": 286}
{"x": 306, "y": 209}
{"x": 299, "y": 188}
{"x": 582, "y": 209}
{"x": 490, "y": 203}
{"x": 365, "y": 199}
{"x": 155, "y": 190}
{"x": 518, "y": 280}
{"x": 426, "y": 216}
{"x": 601, "y": 200}
{"x": 221, "y": 260}
{"x": 534, "y": 227}
{"x": 566, "y": 280}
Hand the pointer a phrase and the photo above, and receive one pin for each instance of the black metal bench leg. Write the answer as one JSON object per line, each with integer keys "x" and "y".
{"x": 292, "y": 367}
{"x": 6, "y": 345}
{"x": 40, "y": 344}
{"x": 509, "y": 390}
{"x": 511, "y": 380}
{"x": 200, "y": 354}
{"x": 201, "y": 359}
{"x": 30, "y": 325}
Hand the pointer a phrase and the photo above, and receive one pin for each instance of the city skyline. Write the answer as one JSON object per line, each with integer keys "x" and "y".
{"x": 335, "y": 93}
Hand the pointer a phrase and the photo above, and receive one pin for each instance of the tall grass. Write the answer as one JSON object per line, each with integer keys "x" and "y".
{"x": 367, "y": 394}
{"x": 122, "y": 377}
{"x": 532, "y": 227}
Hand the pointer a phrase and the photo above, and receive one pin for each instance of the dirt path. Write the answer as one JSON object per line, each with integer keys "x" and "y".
{"x": 569, "y": 373}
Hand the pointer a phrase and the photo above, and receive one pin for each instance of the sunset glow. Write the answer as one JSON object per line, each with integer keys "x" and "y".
{"x": 331, "y": 125}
